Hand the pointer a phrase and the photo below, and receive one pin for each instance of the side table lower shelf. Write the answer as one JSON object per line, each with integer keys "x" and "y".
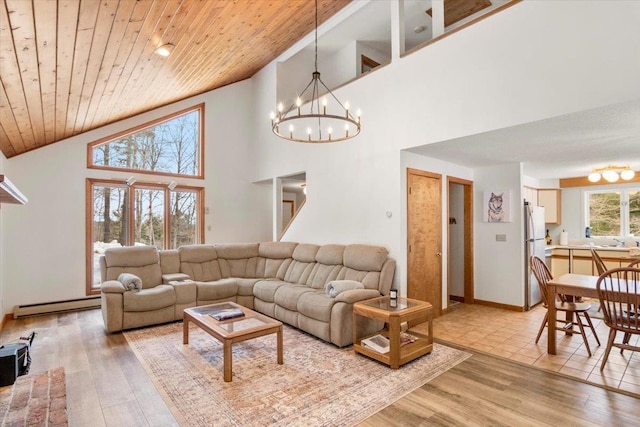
{"x": 402, "y": 313}
{"x": 408, "y": 352}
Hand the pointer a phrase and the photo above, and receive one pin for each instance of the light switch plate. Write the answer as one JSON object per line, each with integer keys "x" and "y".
{"x": 501, "y": 237}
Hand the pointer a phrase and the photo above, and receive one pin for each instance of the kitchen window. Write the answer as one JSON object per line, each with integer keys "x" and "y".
{"x": 613, "y": 213}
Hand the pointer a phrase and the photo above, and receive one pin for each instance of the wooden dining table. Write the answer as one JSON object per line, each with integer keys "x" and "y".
{"x": 577, "y": 285}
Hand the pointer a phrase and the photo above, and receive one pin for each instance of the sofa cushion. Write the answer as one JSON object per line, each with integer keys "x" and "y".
{"x": 265, "y": 290}
{"x": 169, "y": 261}
{"x": 316, "y": 305}
{"x": 322, "y": 274}
{"x": 200, "y": 262}
{"x": 305, "y": 252}
{"x": 197, "y": 253}
{"x": 155, "y": 298}
{"x": 330, "y": 254}
{"x": 365, "y": 257}
{"x": 219, "y": 289}
{"x": 276, "y": 250}
{"x": 245, "y": 286}
{"x": 238, "y": 260}
{"x": 143, "y": 261}
{"x": 370, "y": 279}
{"x": 287, "y": 296}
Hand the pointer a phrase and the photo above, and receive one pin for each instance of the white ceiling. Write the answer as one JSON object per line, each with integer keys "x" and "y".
{"x": 560, "y": 147}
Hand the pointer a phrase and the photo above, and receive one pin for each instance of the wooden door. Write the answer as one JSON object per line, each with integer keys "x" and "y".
{"x": 424, "y": 238}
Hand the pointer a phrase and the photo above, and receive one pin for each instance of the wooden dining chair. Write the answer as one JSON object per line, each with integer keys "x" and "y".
{"x": 600, "y": 266}
{"x": 619, "y": 294}
{"x": 634, "y": 264}
{"x": 576, "y": 310}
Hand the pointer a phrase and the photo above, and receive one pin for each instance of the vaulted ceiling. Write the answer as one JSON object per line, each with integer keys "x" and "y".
{"x": 69, "y": 66}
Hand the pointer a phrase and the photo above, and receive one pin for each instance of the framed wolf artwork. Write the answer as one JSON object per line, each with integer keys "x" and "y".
{"x": 497, "y": 206}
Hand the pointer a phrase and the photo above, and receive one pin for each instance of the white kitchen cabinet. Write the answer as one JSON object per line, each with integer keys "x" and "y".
{"x": 550, "y": 199}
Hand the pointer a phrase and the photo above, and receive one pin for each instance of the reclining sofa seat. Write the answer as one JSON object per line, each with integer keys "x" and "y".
{"x": 284, "y": 280}
{"x": 125, "y": 309}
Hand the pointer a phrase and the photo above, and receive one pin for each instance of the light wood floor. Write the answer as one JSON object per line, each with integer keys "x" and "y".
{"x": 107, "y": 386}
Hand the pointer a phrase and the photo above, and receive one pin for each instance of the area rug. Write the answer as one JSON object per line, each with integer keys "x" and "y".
{"x": 318, "y": 384}
{"x": 35, "y": 400}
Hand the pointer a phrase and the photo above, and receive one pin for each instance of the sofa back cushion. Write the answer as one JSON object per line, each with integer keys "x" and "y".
{"x": 143, "y": 261}
{"x": 200, "y": 262}
{"x": 274, "y": 259}
{"x": 238, "y": 260}
{"x": 327, "y": 267}
{"x": 364, "y": 263}
{"x": 304, "y": 257}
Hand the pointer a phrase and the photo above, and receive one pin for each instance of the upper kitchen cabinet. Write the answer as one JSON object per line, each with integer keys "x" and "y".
{"x": 550, "y": 199}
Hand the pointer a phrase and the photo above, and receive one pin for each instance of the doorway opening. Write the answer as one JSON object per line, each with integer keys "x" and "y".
{"x": 460, "y": 285}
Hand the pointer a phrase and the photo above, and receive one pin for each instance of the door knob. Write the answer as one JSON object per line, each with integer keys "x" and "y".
{"x": 438, "y": 253}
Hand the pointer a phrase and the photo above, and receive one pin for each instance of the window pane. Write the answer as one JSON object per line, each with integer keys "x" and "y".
{"x": 109, "y": 225}
{"x": 184, "y": 218}
{"x": 171, "y": 146}
{"x": 604, "y": 214}
{"x": 149, "y": 217}
{"x": 634, "y": 212}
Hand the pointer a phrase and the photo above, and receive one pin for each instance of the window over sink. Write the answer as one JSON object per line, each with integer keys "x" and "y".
{"x": 613, "y": 213}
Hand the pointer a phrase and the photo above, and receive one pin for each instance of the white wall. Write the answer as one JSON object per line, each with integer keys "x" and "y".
{"x": 500, "y": 72}
{"x": 43, "y": 242}
{"x": 499, "y": 266}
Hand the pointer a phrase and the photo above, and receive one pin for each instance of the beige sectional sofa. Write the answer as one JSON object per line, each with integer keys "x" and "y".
{"x": 284, "y": 280}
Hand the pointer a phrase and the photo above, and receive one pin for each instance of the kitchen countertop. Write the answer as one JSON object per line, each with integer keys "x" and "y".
{"x": 634, "y": 250}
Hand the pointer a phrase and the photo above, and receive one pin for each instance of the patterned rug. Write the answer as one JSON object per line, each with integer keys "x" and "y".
{"x": 318, "y": 385}
{"x": 35, "y": 400}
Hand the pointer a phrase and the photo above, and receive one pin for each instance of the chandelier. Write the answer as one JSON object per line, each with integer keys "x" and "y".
{"x": 327, "y": 119}
{"x": 612, "y": 173}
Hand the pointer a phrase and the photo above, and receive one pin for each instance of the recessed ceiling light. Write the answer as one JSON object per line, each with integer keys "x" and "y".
{"x": 165, "y": 49}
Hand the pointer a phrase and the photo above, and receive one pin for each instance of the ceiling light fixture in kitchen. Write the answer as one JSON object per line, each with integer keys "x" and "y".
{"x": 612, "y": 173}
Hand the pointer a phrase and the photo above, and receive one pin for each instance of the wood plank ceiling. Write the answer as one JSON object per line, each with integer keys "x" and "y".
{"x": 69, "y": 66}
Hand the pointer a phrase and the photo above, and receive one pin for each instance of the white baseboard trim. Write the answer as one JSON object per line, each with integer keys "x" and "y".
{"x": 56, "y": 306}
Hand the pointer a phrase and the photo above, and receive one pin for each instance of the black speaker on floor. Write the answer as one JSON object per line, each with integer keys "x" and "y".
{"x": 14, "y": 361}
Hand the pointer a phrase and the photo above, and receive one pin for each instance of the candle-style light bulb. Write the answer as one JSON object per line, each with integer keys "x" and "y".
{"x": 298, "y": 104}
{"x": 346, "y": 130}
{"x": 280, "y": 108}
{"x": 272, "y": 116}
{"x": 329, "y": 132}
{"x": 346, "y": 109}
{"x": 324, "y": 105}
{"x": 358, "y": 114}
{"x": 291, "y": 131}
{"x": 309, "y": 133}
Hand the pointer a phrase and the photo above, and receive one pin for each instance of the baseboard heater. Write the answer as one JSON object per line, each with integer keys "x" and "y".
{"x": 56, "y": 306}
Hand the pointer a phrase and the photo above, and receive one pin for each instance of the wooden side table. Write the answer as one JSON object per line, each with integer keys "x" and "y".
{"x": 394, "y": 313}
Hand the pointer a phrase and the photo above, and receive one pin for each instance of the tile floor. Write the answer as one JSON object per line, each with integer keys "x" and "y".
{"x": 512, "y": 335}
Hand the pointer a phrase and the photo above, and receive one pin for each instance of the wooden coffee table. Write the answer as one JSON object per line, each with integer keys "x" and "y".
{"x": 395, "y": 313}
{"x": 229, "y": 332}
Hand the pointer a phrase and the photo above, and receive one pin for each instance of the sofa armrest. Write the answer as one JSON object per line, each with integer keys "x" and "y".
{"x": 355, "y": 295}
{"x": 112, "y": 287}
{"x": 174, "y": 277}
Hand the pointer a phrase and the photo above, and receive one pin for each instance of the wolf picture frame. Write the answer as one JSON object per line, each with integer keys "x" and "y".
{"x": 497, "y": 206}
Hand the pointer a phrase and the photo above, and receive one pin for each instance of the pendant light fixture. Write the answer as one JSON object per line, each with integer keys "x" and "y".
{"x": 326, "y": 119}
{"x": 611, "y": 174}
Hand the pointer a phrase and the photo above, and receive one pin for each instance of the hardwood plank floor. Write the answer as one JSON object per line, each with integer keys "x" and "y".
{"x": 107, "y": 386}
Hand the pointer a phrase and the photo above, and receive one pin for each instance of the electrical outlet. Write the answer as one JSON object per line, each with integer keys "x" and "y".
{"x": 501, "y": 237}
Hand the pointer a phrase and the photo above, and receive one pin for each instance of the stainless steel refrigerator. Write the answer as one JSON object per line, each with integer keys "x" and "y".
{"x": 534, "y": 244}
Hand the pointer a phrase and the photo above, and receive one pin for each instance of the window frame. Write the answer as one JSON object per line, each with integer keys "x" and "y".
{"x": 625, "y": 220}
{"x": 89, "y": 211}
{"x": 146, "y": 125}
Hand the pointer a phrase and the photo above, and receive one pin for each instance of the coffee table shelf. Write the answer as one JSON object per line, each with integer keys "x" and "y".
{"x": 395, "y": 313}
